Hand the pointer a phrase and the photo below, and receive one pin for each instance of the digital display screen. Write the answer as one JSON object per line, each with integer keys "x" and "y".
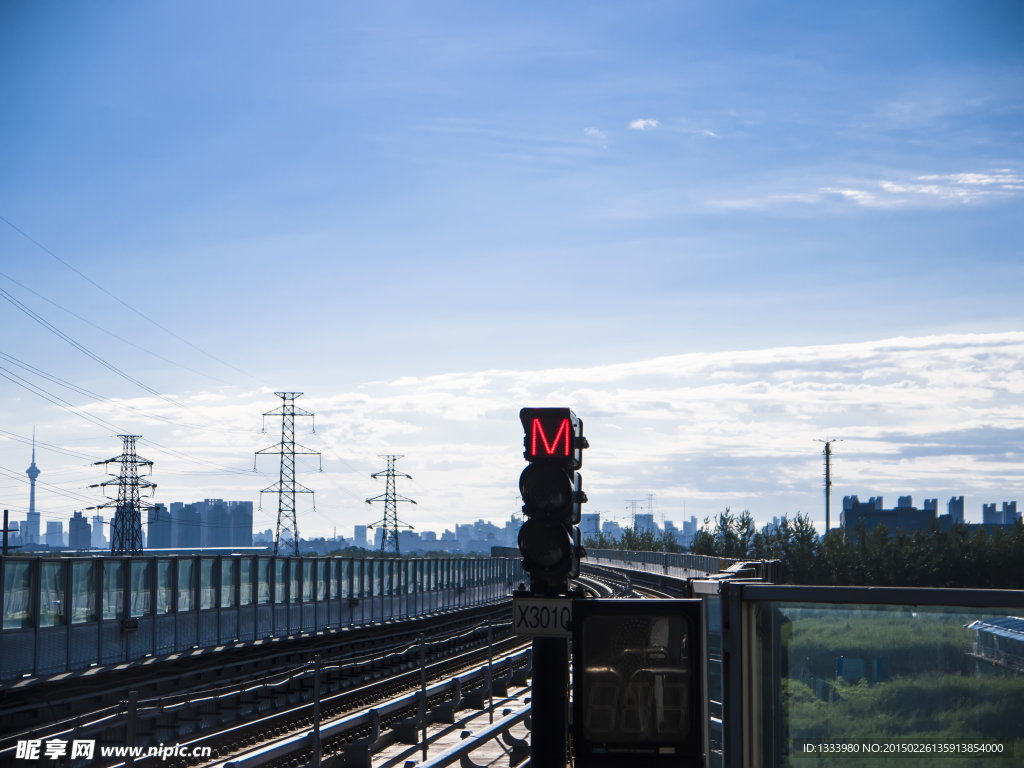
{"x": 636, "y": 676}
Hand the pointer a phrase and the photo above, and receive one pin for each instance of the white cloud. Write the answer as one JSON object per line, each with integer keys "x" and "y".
{"x": 643, "y": 124}
{"x": 912, "y": 191}
{"x": 930, "y": 416}
{"x": 595, "y": 133}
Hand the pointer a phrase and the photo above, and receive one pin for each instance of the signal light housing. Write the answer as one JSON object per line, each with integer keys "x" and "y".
{"x": 552, "y": 492}
{"x": 553, "y": 435}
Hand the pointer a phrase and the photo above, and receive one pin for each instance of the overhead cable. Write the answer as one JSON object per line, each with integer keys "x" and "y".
{"x": 124, "y": 303}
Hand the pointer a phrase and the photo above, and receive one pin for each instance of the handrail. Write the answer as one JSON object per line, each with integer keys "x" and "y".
{"x": 270, "y": 752}
{"x": 475, "y": 741}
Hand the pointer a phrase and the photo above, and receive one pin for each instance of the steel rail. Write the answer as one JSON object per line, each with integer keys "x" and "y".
{"x": 116, "y": 715}
{"x": 296, "y": 717}
{"x": 372, "y": 717}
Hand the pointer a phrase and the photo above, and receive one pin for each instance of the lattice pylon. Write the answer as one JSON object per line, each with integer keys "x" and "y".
{"x": 286, "y": 487}
{"x": 126, "y": 527}
{"x": 390, "y": 523}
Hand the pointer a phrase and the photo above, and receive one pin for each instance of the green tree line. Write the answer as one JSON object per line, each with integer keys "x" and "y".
{"x": 923, "y": 558}
{"x": 635, "y": 541}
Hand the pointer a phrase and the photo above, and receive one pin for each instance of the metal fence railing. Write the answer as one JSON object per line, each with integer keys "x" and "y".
{"x": 670, "y": 564}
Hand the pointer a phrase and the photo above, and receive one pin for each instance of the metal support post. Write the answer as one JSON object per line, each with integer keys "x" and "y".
{"x": 550, "y": 702}
{"x": 423, "y": 691}
{"x": 317, "y": 745}
{"x": 5, "y": 535}
{"x": 129, "y": 736}
{"x": 490, "y": 677}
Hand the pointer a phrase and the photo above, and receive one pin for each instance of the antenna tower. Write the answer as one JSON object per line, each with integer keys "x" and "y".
{"x": 390, "y": 523}
{"x": 827, "y": 453}
{"x": 287, "y": 449}
{"x": 126, "y": 527}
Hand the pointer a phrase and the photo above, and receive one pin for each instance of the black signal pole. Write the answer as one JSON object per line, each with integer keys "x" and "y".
{"x": 549, "y": 541}
{"x": 549, "y": 703}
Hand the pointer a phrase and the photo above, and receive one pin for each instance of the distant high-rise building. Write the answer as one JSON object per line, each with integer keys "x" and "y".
{"x": 185, "y": 527}
{"x": 99, "y": 539}
{"x": 644, "y": 521}
{"x": 931, "y": 505}
{"x": 1010, "y": 514}
{"x": 158, "y": 527}
{"x": 214, "y": 523}
{"x": 54, "y": 534}
{"x": 612, "y": 528}
{"x": 359, "y": 537}
{"x": 590, "y": 524}
{"x": 989, "y": 514}
{"x": 1005, "y": 516}
{"x": 79, "y": 532}
{"x": 905, "y": 502}
{"x": 263, "y": 537}
{"x": 955, "y": 508}
{"x": 240, "y": 514}
{"x": 408, "y": 540}
{"x": 31, "y": 533}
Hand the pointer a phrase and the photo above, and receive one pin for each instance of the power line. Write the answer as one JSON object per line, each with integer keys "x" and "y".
{"x": 52, "y": 488}
{"x": 109, "y": 366}
{"x": 118, "y": 300}
{"x": 47, "y": 446}
{"x": 114, "y": 335}
{"x": 88, "y": 393}
{"x": 97, "y": 421}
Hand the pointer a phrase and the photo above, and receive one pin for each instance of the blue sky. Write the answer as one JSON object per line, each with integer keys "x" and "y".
{"x": 332, "y": 197}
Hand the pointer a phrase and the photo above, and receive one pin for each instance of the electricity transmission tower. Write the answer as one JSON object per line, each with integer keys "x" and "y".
{"x": 390, "y": 523}
{"x": 126, "y": 527}
{"x": 287, "y": 449}
{"x": 828, "y": 480}
{"x": 633, "y": 504}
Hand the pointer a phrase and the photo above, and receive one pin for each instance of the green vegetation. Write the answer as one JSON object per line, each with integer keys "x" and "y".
{"x": 635, "y": 541}
{"x": 929, "y": 558}
{"x": 929, "y": 692}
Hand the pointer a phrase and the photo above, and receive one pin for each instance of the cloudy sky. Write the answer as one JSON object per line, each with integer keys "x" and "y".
{"x": 718, "y": 231}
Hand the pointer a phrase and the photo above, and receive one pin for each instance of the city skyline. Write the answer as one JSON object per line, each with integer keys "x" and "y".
{"x": 718, "y": 235}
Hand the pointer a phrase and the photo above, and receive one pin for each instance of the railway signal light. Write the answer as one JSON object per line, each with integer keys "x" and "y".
{"x": 552, "y": 492}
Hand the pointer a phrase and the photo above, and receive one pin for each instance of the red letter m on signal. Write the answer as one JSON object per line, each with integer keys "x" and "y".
{"x": 563, "y": 433}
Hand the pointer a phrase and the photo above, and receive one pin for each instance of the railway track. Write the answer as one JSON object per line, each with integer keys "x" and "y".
{"x": 218, "y": 697}
{"x": 281, "y": 736}
{"x": 282, "y": 740}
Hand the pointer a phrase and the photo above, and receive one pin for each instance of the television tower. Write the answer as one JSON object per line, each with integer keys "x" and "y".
{"x": 390, "y": 523}
{"x": 828, "y": 481}
{"x": 32, "y": 523}
{"x": 287, "y": 449}
{"x": 126, "y": 527}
